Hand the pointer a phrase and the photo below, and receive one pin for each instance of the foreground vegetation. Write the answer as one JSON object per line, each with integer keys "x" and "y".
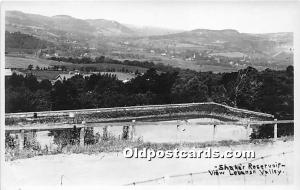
{"x": 114, "y": 144}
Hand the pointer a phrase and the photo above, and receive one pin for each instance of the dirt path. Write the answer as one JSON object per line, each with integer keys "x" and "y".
{"x": 114, "y": 169}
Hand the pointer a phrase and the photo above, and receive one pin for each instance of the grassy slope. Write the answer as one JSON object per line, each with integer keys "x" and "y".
{"x": 23, "y": 62}
{"x": 51, "y": 75}
{"x": 105, "y": 66}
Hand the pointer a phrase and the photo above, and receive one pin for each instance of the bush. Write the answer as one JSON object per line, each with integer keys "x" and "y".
{"x": 66, "y": 137}
{"x": 267, "y": 131}
{"x": 10, "y": 141}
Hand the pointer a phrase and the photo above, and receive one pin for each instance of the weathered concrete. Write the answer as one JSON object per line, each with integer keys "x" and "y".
{"x": 214, "y": 132}
{"x": 21, "y": 139}
{"x": 140, "y": 113}
{"x": 275, "y": 130}
{"x": 81, "y": 136}
{"x": 105, "y": 133}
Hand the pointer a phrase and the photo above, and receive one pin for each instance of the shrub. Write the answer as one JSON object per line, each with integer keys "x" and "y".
{"x": 267, "y": 131}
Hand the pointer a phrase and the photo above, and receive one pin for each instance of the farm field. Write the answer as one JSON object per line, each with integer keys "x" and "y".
{"x": 217, "y": 69}
{"x": 23, "y": 62}
{"x": 230, "y": 54}
{"x": 105, "y": 67}
{"x": 120, "y": 76}
{"x": 198, "y": 65}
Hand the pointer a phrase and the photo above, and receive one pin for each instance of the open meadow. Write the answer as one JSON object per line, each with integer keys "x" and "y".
{"x": 24, "y": 62}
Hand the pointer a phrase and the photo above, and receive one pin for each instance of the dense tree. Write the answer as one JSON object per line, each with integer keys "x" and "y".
{"x": 267, "y": 91}
{"x": 30, "y": 67}
{"x": 18, "y": 40}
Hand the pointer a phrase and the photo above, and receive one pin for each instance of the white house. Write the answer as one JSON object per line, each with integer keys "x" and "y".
{"x": 66, "y": 76}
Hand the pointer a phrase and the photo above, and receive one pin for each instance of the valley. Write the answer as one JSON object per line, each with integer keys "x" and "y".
{"x": 199, "y": 49}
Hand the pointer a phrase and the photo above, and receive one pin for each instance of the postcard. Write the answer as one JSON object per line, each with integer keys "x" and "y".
{"x": 148, "y": 93}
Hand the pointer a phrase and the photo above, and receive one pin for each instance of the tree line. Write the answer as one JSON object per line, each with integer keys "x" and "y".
{"x": 266, "y": 91}
{"x": 107, "y": 60}
{"x": 24, "y": 41}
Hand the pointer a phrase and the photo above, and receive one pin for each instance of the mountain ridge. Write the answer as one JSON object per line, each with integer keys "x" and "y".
{"x": 129, "y": 27}
{"x": 175, "y": 47}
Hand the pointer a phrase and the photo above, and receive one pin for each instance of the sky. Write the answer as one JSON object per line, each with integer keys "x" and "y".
{"x": 248, "y": 17}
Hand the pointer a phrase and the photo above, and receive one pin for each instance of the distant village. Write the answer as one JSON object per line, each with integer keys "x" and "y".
{"x": 59, "y": 75}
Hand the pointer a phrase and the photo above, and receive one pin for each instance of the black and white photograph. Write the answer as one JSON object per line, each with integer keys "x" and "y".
{"x": 148, "y": 93}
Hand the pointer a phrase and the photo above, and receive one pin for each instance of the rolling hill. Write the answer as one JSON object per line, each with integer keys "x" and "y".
{"x": 193, "y": 49}
{"x": 24, "y": 41}
{"x": 229, "y": 40}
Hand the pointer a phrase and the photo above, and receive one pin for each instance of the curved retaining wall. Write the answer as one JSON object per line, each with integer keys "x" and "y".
{"x": 150, "y": 112}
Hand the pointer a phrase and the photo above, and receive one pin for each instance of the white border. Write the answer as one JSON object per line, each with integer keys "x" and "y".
{"x": 2, "y": 95}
